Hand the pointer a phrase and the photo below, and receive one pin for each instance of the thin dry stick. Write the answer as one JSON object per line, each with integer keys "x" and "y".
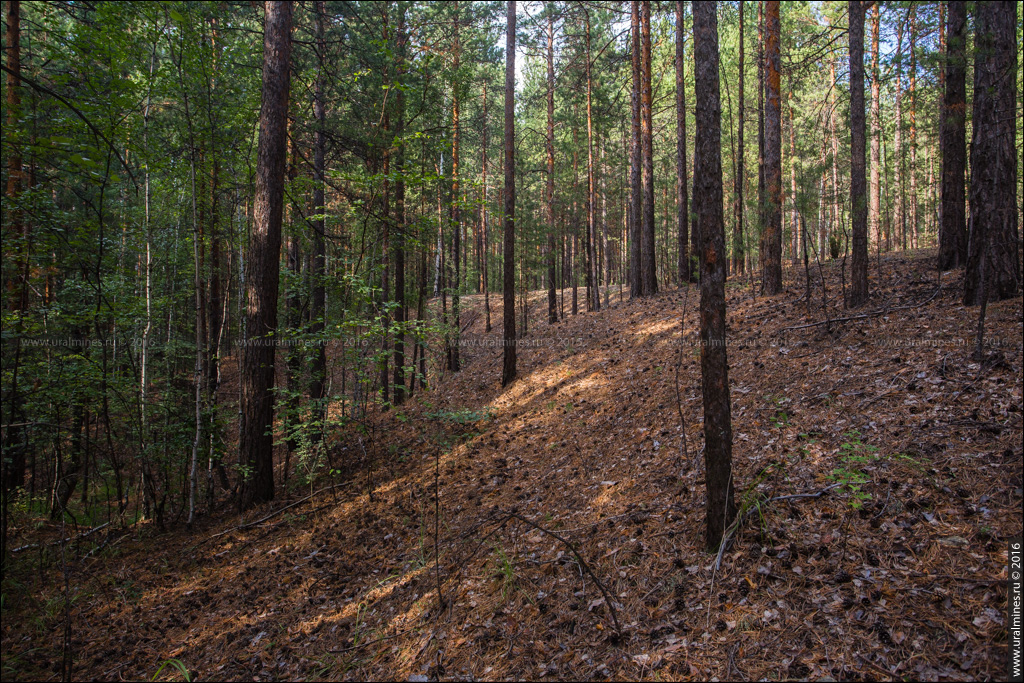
{"x": 864, "y": 315}
{"x": 247, "y": 525}
{"x": 721, "y": 549}
{"x": 736, "y": 525}
{"x": 583, "y": 564}
{"x": 437, "y": 516}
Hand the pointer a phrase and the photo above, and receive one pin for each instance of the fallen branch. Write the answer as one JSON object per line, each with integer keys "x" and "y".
{"x": 373, "y": 642}
{"x": 79, "y": 537}
{"x": 819, "y": 494}
{"x": 864, "y": 316}
{"x": 731, "y": 531}
{"x": 248, "y": 525}
{"x": 583, "y": 564}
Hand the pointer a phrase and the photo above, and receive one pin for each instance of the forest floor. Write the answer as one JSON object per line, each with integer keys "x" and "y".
{"x": 568, "y": 536}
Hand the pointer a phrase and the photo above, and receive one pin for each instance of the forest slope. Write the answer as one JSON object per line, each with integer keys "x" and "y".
{"x": 897, "y": 572}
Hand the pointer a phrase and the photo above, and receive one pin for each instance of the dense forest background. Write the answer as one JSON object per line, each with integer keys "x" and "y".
{"x": 137, "y": 256}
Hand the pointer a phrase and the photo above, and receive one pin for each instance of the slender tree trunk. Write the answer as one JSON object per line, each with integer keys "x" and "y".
{"x": 901, "y": 218}
{"x": 836, "y": 211}
{"x": 575, "y": 218}
{"x": 293, "y": 324}
{"x": 550, "y": 149}
{"x": 256, "y": 447}
{"x": 953, "y": 227}
{"x": 793, "y": 161}
{"x": 993, "y": 265}
{"x": 875, "y": 192}
{"x": 508, "y": 371}
{"x": 720, "y": 506}
{"x": 318, "y": 368}
{"x": 455, "y": 206}
{"x": 648, "y": 274}
{"x": 822, "y": 209}
{"x": 737, "y": 235}
{"x": 682, "y": 198}
{"x": 16, "y": 241}
{"x": 606, "y": 252}
{"x": 913, "y": 127}
{"x": 148, "y": 489}
{"x": 635, "y": 288}
{"x": 771, "y": 278}
{"x": 485, "y": 279}
{"x": 762, "y": 199}
{"x": 593, "y": 293}
{"x": 401, "y": 223}
{"x": 200, "y": 336}
{"x": 858, "y": 191}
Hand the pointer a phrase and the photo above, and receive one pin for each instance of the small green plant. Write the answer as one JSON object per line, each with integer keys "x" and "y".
{"x": 850, "y": 475}
{"x": 360, "y": 612}
{"x": 505, "y": 570}
{"x": 174, "y": 664}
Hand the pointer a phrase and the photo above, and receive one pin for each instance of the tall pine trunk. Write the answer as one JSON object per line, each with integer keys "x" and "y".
{"x": 900, "y": 169}
{"x": 593, "y": 292}
{"x": 913, "y": 127}
{"x": 682, "y": 198}
{"x": 256, "y": 446}
{"x": 737, "y": 235}
{"x": 318, "y": 367}
{"x": 858, "y": 191}
{"x": 953, "y": 227}
{"x": 993, "y": 265}
{"x": 635, "y": 204}
{"x": 648, "y": 274}
{"x": 875, "y": 191}
{"x": 401, "y": 222}
{"x": 771, "y": 278}
{"x": 550, "y": 149}
{"x": 720, "y": 506}
{"x": 455, "y": 211}
{"x": 508, "y": 369}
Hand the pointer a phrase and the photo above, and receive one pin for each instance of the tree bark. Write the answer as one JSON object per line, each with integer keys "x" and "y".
{"x": 737, "y": 235}
{"x": 635, "y": 204}
{"x": 875, "y": 191}
{"x": 993, "y": 265}
{"x": 761, "y": 197}
{"x": 913, "y": 127}
{"x": 483, "y": 217}
{"x": 858, "y": 191}
{"x": 508, "y": 370}
{"x": 593, "y": 292}
{"x": 14, "y": 445}
{"x": 720, "y": 506}
{"x": 550, "y": 148}
{"x": 953, "y": 227}
{"x": 318, "y": 369}
{"x": 682, "y": 190}
{"x": 794, "y": 224}
{"x": 771, "y": 278}
{"x": 256, "y": 446}
{"x": 401, "y": 223}
{"x": 648, "y": 274}
{"x": 454, "y": 208}
{"x": 901, "y": 218}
